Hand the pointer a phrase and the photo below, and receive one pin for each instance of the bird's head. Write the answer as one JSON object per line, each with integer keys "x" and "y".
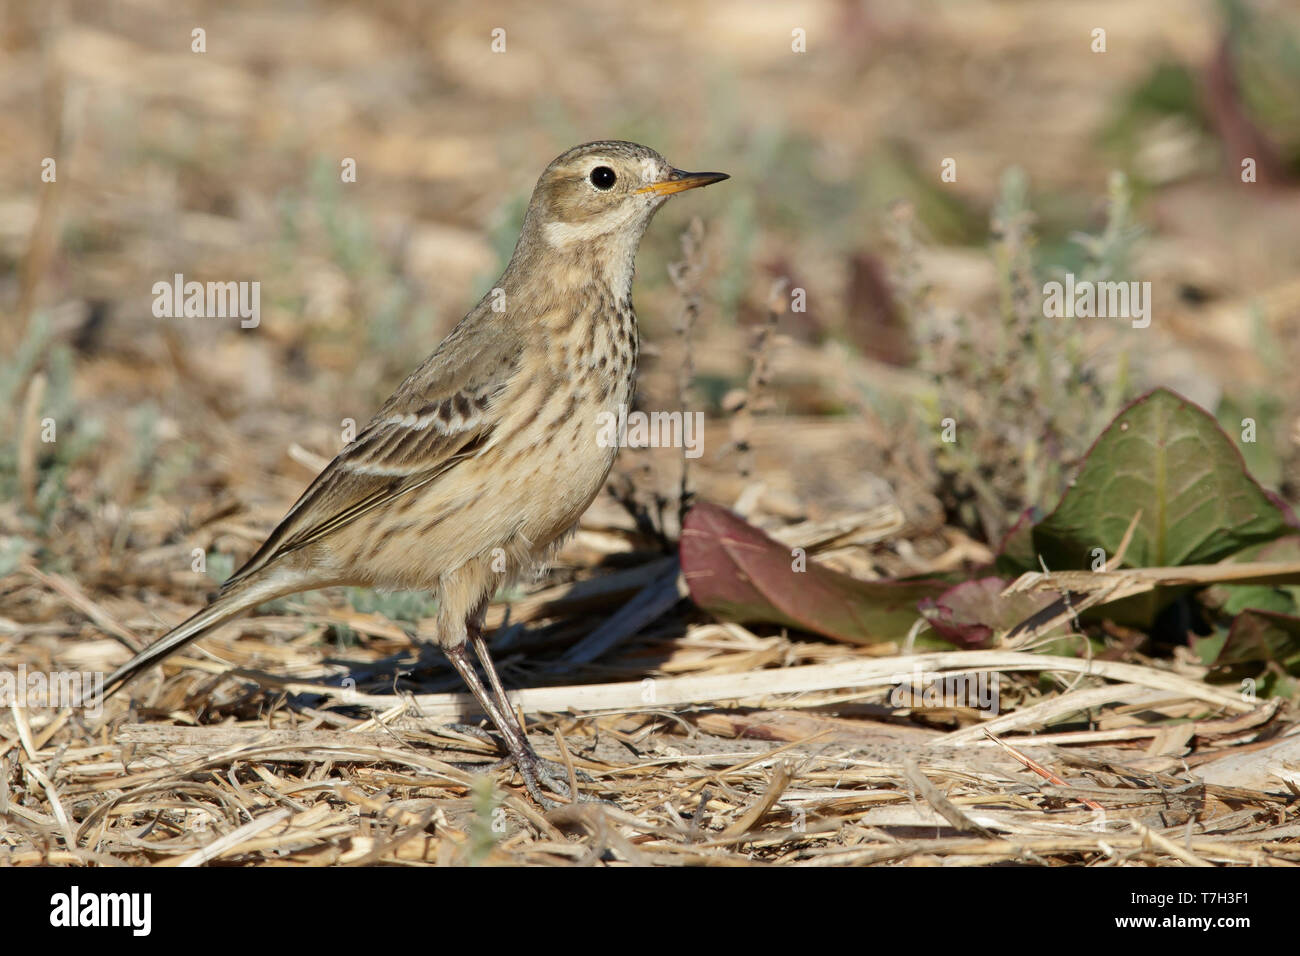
{"x": 604, "y": 194}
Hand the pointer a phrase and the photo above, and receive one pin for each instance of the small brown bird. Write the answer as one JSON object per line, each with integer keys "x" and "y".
{"x": 488, "y": 453}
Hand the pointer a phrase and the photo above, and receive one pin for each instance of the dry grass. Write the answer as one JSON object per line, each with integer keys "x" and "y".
{"x": 317, "y": 732}
{"x": 743, "y": 749}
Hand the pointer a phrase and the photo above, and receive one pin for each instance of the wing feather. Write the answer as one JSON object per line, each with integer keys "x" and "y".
{"x": 444, "y": 413}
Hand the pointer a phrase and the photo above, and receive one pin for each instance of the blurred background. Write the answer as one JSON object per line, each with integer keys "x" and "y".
{"x": 834, "y": 118}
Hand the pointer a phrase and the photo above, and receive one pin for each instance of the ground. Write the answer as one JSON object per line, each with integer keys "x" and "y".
{"x": 826, "y": 311}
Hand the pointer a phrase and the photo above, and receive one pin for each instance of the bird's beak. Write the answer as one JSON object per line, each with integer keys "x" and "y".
{"x": 678, "y": 180}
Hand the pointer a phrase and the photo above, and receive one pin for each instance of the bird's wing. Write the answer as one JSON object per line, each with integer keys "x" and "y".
{"x": 442, "y": 414}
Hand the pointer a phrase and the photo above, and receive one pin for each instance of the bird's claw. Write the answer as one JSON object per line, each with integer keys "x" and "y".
{"x": 537, "y": 771}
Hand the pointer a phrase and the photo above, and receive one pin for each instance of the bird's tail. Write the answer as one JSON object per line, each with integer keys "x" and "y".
{"x": 223, "y": 609}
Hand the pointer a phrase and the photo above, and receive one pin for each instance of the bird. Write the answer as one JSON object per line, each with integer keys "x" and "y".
{"x": 487, "y": 454}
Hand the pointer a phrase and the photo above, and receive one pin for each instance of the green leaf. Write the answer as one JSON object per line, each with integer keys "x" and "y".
{"x": 1230, "y": 600}
{"x": 1257, "y": 597}
{"x": 1166, "y": 457}
{"x": 1262, "y": 455}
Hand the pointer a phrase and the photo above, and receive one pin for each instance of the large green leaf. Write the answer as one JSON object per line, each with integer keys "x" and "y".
{"x": 1229, "y": 600}
{"x": 1166, "y": 457}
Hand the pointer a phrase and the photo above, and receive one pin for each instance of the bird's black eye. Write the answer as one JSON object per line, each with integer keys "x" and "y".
{"x": 602, "y": 177}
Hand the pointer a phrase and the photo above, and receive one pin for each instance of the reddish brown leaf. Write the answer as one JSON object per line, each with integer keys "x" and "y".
{"x": 738, "y": 573}
{"x": 969, "y": 613}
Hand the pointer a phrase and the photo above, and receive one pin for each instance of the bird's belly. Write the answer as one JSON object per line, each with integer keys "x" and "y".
{"x": 552, "y": 496}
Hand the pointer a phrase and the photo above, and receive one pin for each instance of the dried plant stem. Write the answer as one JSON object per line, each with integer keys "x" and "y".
{"x": 685, "y": 276}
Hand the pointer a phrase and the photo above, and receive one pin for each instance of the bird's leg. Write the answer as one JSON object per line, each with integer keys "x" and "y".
{"x": 474, "y": 629}
{"x": 550, "y": 771}
{"x": 532, "y": 768}
{"x": 474, "y": 626}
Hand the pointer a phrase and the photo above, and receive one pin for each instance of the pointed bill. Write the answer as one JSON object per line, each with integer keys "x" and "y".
{"x": 679, "y": 180}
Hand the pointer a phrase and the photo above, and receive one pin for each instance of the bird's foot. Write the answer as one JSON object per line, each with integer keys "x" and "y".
{"x": 538, "y": 771}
